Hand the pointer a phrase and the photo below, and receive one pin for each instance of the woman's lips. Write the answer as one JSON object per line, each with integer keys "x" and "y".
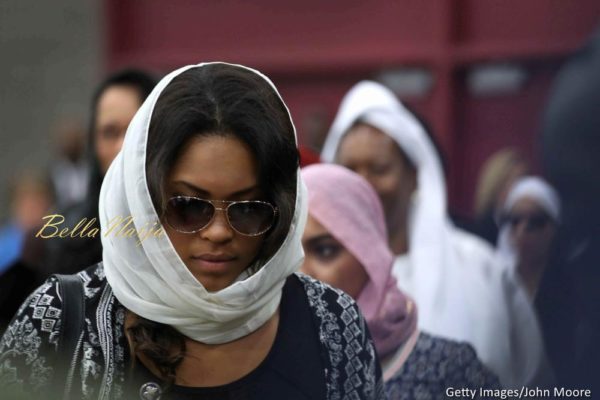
{"x": 213, "y": 262}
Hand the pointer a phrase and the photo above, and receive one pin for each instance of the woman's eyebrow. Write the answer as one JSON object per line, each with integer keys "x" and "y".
{"x": 191, "y": 187}
{"x": 318, "y": 238}
{"x": 244, "y": 192}
{"x": 199, "y": 190}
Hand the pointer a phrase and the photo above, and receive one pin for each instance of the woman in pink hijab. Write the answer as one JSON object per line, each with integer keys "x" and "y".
{"x": 345, "y": 245}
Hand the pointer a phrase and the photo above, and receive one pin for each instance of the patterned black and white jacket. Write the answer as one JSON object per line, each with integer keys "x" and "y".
{"x": 28, "y": 347}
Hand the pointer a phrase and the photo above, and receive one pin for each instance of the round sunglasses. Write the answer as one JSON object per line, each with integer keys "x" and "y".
{"x": 534, "y": 222}
{"x": 188, "y": 214}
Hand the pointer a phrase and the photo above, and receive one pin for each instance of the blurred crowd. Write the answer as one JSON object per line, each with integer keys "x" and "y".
{"x": 519, "y": 282}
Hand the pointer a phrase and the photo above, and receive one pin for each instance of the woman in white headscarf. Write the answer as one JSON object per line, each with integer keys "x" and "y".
{"x": 451, "y": 275}
{"x": 528, "y": 224}
{"x": 196, "y": 296}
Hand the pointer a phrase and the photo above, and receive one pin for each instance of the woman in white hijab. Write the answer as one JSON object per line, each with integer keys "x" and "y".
{"x": 528, "y": 225}
{"x": 461, "y": 294}
{"x": 213, "y": 308}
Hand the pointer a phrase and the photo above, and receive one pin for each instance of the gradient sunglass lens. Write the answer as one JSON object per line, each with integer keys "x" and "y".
{"x": 251, "y": 218}
{"x": 533, "y": 222}
{"x": 188, "y": 215}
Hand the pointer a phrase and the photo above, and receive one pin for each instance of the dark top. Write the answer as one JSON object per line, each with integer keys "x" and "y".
{"x": 15, "y": 285}
{"x": 291, "y": 370}
{"x": 568, "y": 299}
{"x": 436, "y": 364}
{"x": 341, "y": 363}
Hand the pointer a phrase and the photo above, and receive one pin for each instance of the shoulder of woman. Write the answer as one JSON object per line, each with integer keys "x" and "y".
{"x": 477, "y": 256}
{"x": 30, "y": 343}
{"x": 468, "y": 243}
{"x": 40, "y": 313}
{"x": 461, "y": 364}
{"x": 321, "y": 295}
{"x": 348, "y": 350}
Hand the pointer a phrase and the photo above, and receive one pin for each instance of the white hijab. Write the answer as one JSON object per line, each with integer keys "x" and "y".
{"x": 534, "y": 188}
{"x": 452, "y": 275}
{"x": 430, "y": 276}
{"x": 152, "y": 281}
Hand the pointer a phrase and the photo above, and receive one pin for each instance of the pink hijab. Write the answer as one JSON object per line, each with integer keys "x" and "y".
{"x": 346, "y": 205}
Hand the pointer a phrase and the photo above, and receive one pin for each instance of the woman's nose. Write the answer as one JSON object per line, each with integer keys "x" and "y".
{"x": 218, "y": 230}
{"x": 520, "y": 228}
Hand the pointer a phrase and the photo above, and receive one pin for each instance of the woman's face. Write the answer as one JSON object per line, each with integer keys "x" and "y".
{"x": 531, "y": 230}
{"x": 215, "y": 168}
{"x": 328, "y": 261}
{"x": 376, "y": 156}
{"x": 116, "y": 107}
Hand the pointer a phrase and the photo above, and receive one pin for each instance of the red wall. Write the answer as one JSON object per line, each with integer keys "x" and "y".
{"x": 315, "y": 51}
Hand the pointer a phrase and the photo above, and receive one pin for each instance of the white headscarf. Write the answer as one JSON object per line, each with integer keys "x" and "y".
{"x": 452, "y": 276}
{"x": 542, "y": 193}
{"x": 152, "y": 281}
{"x": 430, "y": 276}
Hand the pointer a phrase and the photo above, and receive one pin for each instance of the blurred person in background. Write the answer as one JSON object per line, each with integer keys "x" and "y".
{"x": 114, "y": 104}
{"x": 452, "y": 275}
{"x": 345, "y": 245}
{"x": 497, "y": 175}
{"x": 569, "y": 297}
{"x": 31, "y": 198}
{"x": 69, "y": 170}
{"x": 528, "y": 223}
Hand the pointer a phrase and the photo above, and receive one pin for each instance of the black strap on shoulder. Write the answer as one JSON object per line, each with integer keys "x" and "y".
{"x": 72, "y": 320}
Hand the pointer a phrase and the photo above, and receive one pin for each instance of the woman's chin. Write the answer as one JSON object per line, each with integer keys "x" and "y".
{"x": 213, "y": 283}
{"x": 214, "y": 276}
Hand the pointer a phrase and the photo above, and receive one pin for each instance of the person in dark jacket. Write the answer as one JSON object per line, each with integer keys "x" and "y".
{"x": 569, "y": 299}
